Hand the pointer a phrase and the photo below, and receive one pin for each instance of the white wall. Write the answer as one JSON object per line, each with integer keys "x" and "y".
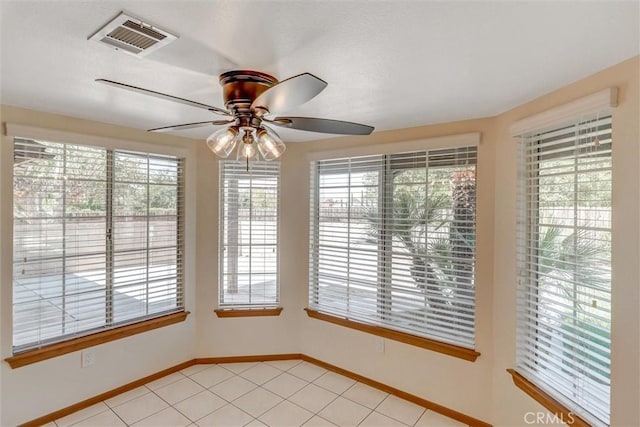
{"x": 38, "y": 389}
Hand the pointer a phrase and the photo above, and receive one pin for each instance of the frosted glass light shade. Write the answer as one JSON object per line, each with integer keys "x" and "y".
{"x": 270, "y": 145}
{"x": 223, "y": 141}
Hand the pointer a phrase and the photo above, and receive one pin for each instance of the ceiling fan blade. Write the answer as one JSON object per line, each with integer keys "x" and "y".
{"x": 313, "y": 124}
{"x": 164, "y": 96}
{"x": 290, "y": 93}
{"x": 190, "y": 125}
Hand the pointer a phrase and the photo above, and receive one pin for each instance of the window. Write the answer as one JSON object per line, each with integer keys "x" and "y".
{"x": 393, "y": 242}
{"x": 249, "y": 206}
{"x": 564, "y": 271}
{"x": 98, "y": 240}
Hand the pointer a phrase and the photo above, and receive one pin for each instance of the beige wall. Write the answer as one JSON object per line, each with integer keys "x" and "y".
{"x": 35, "y": 390}
{"x": 482, "y": 389}
{"x": 249, "y": 335}
{"x": 425, "y": 373}
{"x": 508, "y": 402}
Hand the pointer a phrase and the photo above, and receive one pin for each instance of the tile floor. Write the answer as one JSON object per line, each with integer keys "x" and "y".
{"x": 276, "y": 394}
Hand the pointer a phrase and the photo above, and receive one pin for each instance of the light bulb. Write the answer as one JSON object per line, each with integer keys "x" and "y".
{"x": 223, "y": 141}
{"x": 270, "y": 145}
{"x": 247, "y": 149}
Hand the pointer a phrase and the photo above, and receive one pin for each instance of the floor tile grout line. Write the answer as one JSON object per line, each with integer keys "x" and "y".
{"x": 217, "y": 409}
{"x": 209, "y": 413}
{"x": 400, "y": 421}
{"x": 276, "y": 394}
{"x": 238, "y": 397}
{"x": 234, "y": 363}
{"x": 120, "y": 418}
{"x": 307, "y": 409}
{"x": 287, "y": 398}
{"x": 185, "y": 415}
{"x": 143, "y": 418}
{"x": 164, "y": 400}
{"x": 339, "y": 394}
{"x": 109, "y": 408}
{"x": 128, "y": 400}
{"x": 393, "y": 418}
{"x": 421, "y": 415}
{"x": 324, "y": 419}
{"x": 194, "y": 381}
{"x": 314, "y": 366}
{"x": 215, "y": 384}
{"x": 260, "y": 385}
{"x": 372, "y": 409}
{"x": 86, "y": 418}
{"x": 269, "y": 362}
{"x": 344, "y": 397}
{"x": 240, "y": 409}
{"x": 282, "y": 399}
{"x": 307, "y": 420}
{"x": 256, "y": 387}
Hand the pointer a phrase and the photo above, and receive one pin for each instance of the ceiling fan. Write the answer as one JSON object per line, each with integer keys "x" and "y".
{"x": 251, "y": 98}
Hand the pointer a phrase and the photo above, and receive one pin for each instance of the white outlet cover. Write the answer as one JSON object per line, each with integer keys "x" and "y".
{"x": 88, "y": 358}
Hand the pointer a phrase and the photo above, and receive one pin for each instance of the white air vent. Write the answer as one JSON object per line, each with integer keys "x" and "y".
{"x": 132, "y": 35}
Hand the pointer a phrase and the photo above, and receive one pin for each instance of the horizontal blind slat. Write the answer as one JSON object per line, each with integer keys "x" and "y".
{"x": 393, "y": 241}
{"x": 98, "y": 238}
{"x": 249, "y": 245}
{"x": 564, "y": 264}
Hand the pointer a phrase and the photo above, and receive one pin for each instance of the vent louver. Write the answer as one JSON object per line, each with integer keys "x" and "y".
{"x": 132, "y": 35}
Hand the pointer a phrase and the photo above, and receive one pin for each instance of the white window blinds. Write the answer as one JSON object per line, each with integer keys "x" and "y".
{"x": 564, "y": 261}
{"x": 249, "y": 215}
{"x": 393, "y": 241}
{"x": 97, "y": 239}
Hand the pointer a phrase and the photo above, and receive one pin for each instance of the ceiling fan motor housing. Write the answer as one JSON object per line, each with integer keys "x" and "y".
{"x": 240, "y": 88}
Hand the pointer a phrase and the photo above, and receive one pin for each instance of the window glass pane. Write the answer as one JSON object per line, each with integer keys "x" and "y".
{"x": 564, "y": 294}
{"x": 130, "y": 168}
{"x": 347, "y": 259}
{"x": 163, "y": 200}
{"x": 163, "y": 170}
{"x": 87, "y": 253}
{"x": 393, "y": 241}
{"x": 249, "y": 229}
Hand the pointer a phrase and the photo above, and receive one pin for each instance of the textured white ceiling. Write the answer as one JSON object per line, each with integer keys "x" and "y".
{"x": 391, "y": 64}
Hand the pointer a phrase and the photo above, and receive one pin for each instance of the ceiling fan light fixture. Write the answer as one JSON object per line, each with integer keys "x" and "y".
{"x": 249, "y": 97}
{"x": 270, "y": 145}
{"x": 223, "y": 141}
{"x": 247, "y": 148}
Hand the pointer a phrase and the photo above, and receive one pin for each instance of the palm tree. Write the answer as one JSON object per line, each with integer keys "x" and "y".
{"x": 442, "y": 267}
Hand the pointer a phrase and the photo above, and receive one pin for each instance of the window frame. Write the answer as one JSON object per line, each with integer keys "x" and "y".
{"x": 429, "y": 144}
{"x": 240, "y": 309}
{"x": 527, "y": 293}
{"x": 48, "y": 351}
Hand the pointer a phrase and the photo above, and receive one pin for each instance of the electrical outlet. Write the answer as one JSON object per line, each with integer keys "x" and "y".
{"x": 379, "y": 345}
{"x": 88, "y": 358}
